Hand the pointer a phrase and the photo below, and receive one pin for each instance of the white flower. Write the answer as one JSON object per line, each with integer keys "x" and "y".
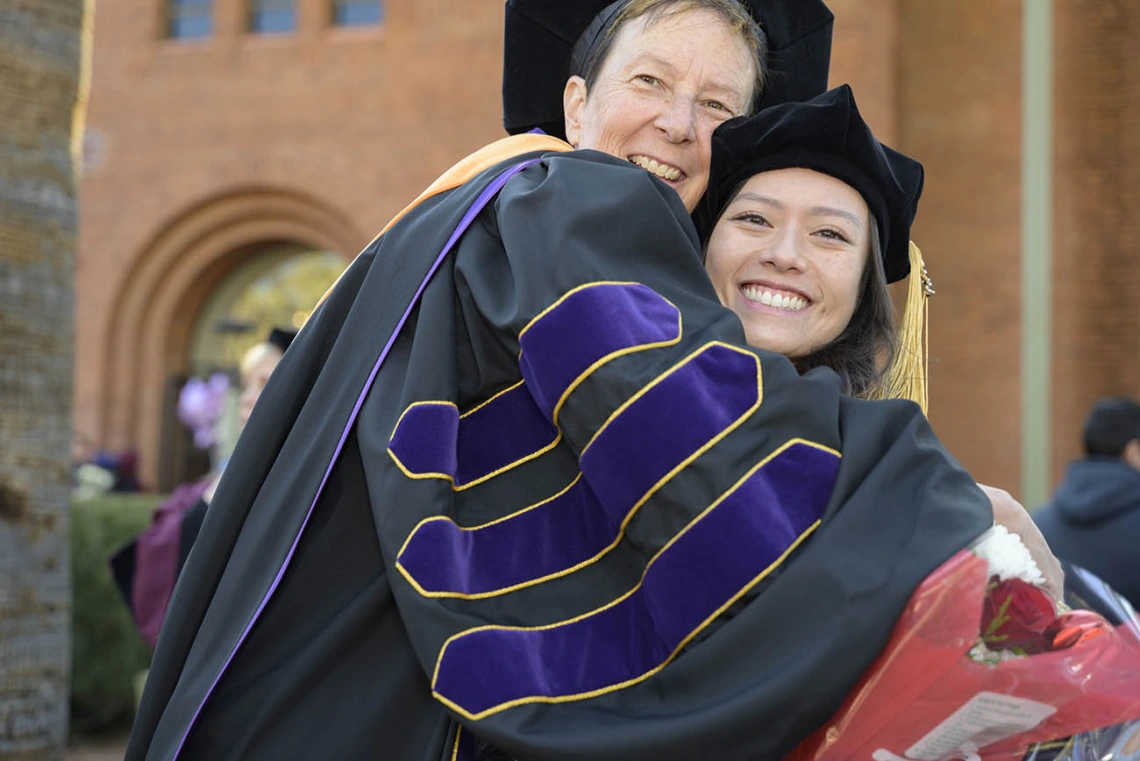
{"x": 979, "y": 653}
{"x": 1007, "y": 557}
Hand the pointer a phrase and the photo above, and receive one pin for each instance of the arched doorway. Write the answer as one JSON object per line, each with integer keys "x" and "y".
{"x": 170, "y": 291}
{"x": 273, "y": 285}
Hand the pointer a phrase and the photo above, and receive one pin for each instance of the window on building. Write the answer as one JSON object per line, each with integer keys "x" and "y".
{"x": 272, "y": 16}
{"x": 357, "y": 12}
{"x": 189, "y": 19}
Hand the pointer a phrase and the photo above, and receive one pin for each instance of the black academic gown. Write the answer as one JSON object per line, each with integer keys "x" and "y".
{"x": 571, "y": 514}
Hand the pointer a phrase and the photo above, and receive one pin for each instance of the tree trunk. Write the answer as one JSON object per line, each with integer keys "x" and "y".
{"x": 43, "y": 52}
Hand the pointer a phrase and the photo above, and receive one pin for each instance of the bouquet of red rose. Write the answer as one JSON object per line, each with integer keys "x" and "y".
{"x": 983, "y": 664}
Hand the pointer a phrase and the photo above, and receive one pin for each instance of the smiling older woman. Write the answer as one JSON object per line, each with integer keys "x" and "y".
{"x": 657, "y": 88}
{"x": 520, "y": 477}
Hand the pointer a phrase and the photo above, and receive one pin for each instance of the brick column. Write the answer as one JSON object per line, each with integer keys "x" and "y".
{"x": 1097, "y": 187}
{"x": 865, "y": 55}
{"x": 960, "y": 114}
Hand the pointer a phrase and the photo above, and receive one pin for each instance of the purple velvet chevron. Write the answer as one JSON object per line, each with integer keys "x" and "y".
{"x": 717, "y": 558}
{"x": 525, "y": 548}
{"x": 671, "y": 421}
{"x": 433, "y": 438}
{"x": 507, "y": 429}
{"x": 587, "y": 326}
{"x": 674, "y": 418}
{"x": 425, "y": 439}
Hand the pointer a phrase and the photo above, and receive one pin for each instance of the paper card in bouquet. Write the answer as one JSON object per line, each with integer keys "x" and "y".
{"x": 927, "y": 699}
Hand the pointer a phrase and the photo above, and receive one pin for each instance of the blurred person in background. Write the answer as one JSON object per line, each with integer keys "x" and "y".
{"x": 1093, "y": 520}
{"x": 257, "y": 364}
{"x": 146, "y": 569}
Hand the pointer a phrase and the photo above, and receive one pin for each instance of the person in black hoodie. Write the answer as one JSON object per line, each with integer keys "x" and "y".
{"x": 1094, "y": 518}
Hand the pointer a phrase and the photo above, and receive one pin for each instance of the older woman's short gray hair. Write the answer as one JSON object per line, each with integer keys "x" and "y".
{"x": 733, "y": 13}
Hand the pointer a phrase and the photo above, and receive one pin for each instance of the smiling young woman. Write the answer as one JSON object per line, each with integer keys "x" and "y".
{"x": 789, "y": 257}
{"x": 806, "y": 220}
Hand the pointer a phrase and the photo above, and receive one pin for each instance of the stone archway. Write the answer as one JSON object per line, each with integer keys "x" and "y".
{"x": 157, "y": 304}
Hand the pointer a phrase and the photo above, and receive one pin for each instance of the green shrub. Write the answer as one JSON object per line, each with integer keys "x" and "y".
{"x": 107, "y": 651}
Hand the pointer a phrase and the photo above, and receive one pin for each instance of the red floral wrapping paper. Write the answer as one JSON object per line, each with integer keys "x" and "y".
{"x": 925, "y": 699}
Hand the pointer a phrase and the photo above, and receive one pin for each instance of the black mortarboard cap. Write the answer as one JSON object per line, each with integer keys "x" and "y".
{"x": 282, "y": 338}
{"x": 826, "y": 134}
{"x": 541, "y": 36}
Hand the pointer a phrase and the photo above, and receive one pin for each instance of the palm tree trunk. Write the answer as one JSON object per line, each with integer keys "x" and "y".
{"x": 43, "y": 52}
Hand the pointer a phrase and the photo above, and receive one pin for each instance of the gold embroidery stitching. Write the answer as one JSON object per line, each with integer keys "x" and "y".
{"x": 660, "y": 379}
{"x": 481, "y": 405}
{"x": 481, "y": 479}
{"x": 581, "y": 378}
{"x": 630, "y": 682}
{"x": 455, "y": 750}
{"x": 632, "y": 511}
{"x": 494, "y": 592}
{"x": 396, "y": 429}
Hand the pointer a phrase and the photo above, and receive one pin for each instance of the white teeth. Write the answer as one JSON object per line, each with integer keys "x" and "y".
{"x": 664, "y": 171}
{"x": 777, "y": 300}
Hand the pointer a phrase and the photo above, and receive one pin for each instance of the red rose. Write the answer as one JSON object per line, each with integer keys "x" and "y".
{"x": 1015, "y": 617}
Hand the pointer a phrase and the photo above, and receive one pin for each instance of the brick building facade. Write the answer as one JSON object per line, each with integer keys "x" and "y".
{"x": 201, "y": 150}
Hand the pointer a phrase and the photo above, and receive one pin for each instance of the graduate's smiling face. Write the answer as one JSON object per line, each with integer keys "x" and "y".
{"x": 788, "y": 257}
{"x": 662, "y": 90}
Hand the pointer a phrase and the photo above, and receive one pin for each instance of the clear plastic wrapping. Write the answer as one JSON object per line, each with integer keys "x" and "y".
{"x": 928, "y": 698}
{"x": 1116, "y": 743}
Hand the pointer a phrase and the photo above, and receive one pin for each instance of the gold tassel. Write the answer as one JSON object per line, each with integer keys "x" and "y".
{"x": 906, "y": 378}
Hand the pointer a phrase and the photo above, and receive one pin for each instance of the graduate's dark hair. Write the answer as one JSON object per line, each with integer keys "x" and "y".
{"x": 1110, "y": 425}
{"x": 733, "y": 13}
{"x": 863, "y": 352}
